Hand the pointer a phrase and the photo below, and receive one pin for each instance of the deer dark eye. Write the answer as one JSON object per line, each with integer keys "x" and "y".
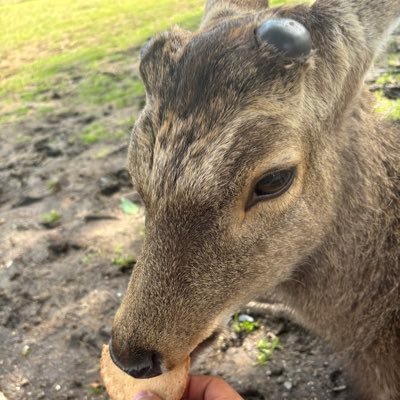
{"x": 273, "y": 184}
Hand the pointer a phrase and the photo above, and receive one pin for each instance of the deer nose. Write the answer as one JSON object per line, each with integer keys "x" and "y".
{"x": 140, "y": 364}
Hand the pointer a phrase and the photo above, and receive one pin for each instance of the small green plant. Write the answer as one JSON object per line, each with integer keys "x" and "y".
{"x": 51, "y": 218}
{"x": 266, "y": 348}
{"x": 390, "y": 109}
{"x": 124, "y": 261}
{"x": 94, "y": 133}
{"x": 128, "y": 207}
{"x": 388, "y": 78}
{"x": 90, "y": 256}
{"x": 246, "y": 325}
{"x": 96, "y": 388}
{"x": 54, "y": 185}
{"x": 102, "y": 153}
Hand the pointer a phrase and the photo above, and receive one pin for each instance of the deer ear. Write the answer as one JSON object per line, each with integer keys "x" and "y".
{"x": 217, "y": 10}
{"x": 159, "y": 56}
{"x": 287, "y": 36}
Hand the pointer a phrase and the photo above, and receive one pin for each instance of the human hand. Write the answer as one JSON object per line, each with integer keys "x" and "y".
{"x": 200, "y": 388}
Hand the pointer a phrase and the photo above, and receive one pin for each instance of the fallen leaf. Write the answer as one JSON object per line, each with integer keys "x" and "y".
{"x": 128, "y": 207}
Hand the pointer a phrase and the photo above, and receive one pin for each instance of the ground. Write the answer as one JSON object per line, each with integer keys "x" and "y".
{"x": 72, "y": 226}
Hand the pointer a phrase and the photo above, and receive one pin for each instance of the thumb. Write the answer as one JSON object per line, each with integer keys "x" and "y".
{"x": 210, "y": 388}
{"x": 145, "y": 395}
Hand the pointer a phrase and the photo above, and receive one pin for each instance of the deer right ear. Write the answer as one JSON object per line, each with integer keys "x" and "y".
{"x": 217, "y": 10}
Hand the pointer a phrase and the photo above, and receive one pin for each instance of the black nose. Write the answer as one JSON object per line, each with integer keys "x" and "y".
{"x": 140, "y": 364}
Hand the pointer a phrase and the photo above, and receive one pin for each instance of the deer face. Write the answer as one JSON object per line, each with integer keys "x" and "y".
{"x": 226, "y": 161}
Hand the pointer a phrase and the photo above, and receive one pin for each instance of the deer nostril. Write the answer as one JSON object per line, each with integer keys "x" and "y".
{"x": 140, "y": 364}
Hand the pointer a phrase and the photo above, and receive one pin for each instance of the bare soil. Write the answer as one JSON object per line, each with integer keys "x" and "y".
{"x": 59, "y": 286}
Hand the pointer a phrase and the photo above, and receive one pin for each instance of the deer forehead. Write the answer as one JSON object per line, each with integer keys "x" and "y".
{"x": 184, "y": 157}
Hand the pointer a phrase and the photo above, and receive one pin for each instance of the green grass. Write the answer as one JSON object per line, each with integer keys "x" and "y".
{"x": 97, "y": 132}
{"x": 390, "y": 109}
{"x": 266, "y": 348}
{"x": 245, "y": 326}
{"x": 124, "y": 261}
{"x": 101, "y": 89}
{"x": 47, "y": 37}
{"x": 50, "y": 218}
{"x": 388, "y": 78}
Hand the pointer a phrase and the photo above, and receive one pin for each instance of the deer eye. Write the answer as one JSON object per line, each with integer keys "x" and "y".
{"x": 273, "y": 185}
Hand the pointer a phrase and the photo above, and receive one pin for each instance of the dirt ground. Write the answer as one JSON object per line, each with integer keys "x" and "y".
{"x": 61, "y": 281}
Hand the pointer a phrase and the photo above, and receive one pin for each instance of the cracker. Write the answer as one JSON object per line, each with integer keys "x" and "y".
{"x": 121, "y": 386}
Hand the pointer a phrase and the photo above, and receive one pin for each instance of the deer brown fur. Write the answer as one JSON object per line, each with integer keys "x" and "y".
{"x": 221, "y": 112}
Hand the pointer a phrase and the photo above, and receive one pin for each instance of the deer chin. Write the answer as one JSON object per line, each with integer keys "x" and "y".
{"x": 203, "y": 346}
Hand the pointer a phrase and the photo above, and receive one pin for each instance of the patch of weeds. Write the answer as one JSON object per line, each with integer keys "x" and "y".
{"x": 23, "y": 139}
{"x": 50, "y": 219}
{"x": 97, "y": 132}
{"x": 138, "y": 87}
{"x": 94, "y": 133}
{"x": 96, "y": 388}
{"x": 244, "y": 324}
{"x": 125, "y": 262}
{"x": 118, "y": 248}
{"x": 388, "y": 78}
{"x": 266, "y": 348}
{"x": 119, "y": 134}
{"x": 119, "y": 90}
{"x": 394, "y": 60}
{"x": 14, "y": 115}
{"x": 390, "y": 109}
{"x": 140, "y": 231}
{"x": 127, "y": 124}
{"x": 128, "y": 207}
{"x": 90, "y": 256}
{"x": 102, "y": 153}
{"x": 54, "y": 185}
{"x": 44, "y": 111}
{"x": 38, "y": 92}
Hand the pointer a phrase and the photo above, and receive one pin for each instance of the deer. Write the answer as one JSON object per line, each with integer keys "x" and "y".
{"x": 264, "y": 170}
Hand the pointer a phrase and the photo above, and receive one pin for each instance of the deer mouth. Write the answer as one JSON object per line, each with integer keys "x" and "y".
{"x": 204, "y": 345}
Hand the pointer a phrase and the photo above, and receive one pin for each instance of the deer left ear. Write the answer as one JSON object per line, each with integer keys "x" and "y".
{"x": 217, "y": 10}
{"x": 287, "y": 36}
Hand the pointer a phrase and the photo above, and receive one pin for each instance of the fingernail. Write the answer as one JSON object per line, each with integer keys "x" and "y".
{"x": 144, "y": 395}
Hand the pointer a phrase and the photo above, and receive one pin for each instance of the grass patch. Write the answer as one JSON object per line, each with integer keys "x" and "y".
{"x": 266, "y": 348}
{"x": 102, "y": 89}
{"x": 51, "y": 218}
{"x": 389, "y": 78}
{"x": 390, "y": 109}
{"x": 54, "y": 185}
{"x": 394, "y": 60}
{"x": 45, "y": 37}
{"x": 45, "y": 110}
{"x": 244, "y": 324}
{"x": 124, "y": 261}
{"x": 94, "y": 133}
{"x": 15, "y": 114}
{"x": 97, "y": 132}
{"x": 102, "y": 153}
{"x": 96, "y": 389}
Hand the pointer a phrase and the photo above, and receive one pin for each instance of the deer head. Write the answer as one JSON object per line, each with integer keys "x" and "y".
{"x": 235, "y": 156}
